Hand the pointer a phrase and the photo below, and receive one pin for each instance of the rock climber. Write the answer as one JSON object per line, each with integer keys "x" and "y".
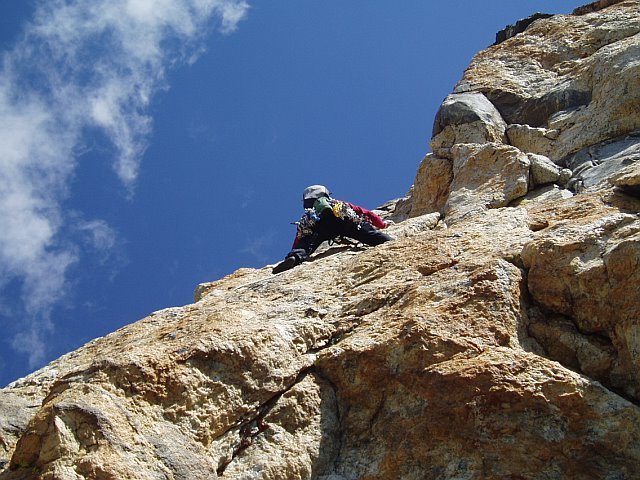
{"x": 325, "y": 218}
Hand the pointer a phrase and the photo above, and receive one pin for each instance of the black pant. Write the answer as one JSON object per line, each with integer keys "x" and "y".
{"x": 330, "y": 227}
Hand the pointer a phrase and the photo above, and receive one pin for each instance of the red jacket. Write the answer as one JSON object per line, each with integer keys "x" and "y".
{"x": 371, "y": 217}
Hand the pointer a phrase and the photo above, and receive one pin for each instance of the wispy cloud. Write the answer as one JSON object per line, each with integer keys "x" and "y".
{"x": 31, "y": 340}
{"x": 258, "y": 246}
{"x": 81, "y": 65}
{"x": 99, "y": 235}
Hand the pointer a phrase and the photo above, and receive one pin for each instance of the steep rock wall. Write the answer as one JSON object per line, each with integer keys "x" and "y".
{"x": 497, "y": 337}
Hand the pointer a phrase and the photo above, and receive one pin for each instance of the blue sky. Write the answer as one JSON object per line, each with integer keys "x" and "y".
{"x": 147, "y": 146}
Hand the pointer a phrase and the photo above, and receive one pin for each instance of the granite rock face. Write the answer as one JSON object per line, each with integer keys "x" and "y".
{"x": 577, "y": 74}
{"x": 420, "y": 358}
{"x": 496, "y": 337}
{"x": 588, "y": 271}
{"x": 597, "y": 163}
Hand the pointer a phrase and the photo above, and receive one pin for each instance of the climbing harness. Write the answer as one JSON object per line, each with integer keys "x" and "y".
{"x": 340, "y": 240}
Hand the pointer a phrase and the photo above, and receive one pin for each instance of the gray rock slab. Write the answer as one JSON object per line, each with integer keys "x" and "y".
{"x": 600, "y": 162}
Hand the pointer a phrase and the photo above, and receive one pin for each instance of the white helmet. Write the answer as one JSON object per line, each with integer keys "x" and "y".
{"x": 314, "y": 192}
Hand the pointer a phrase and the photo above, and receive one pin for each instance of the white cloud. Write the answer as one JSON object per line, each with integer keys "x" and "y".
{"x": 31, "y": 342}
{"x": 258, "y": 246}
{"x": 99, "y": 235}
{"x": 231, "y": 13}
{"x": 81, "y": 64}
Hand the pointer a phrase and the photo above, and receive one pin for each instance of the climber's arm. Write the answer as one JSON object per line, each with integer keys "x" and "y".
{"x": 370, "y": 216}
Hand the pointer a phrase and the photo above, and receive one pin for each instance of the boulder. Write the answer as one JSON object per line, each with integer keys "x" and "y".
{"x": 466, "y": 118}
{"x": 544, "y": 171}
{"x": 531, "y": 139}
{"x": 485, "y": 176}
{"x": 431, "y": 185}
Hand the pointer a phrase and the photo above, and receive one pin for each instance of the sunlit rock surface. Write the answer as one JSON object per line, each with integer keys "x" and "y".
{"x": 496, "y": 337}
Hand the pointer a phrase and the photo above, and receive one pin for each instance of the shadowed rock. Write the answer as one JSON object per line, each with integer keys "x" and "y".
{"x": 519, "y": 27}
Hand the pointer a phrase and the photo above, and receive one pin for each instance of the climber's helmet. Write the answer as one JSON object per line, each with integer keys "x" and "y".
{"x": 313, "y": 193}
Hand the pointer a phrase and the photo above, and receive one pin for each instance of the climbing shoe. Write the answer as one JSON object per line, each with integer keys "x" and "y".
{"x": 286, "y": 264}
